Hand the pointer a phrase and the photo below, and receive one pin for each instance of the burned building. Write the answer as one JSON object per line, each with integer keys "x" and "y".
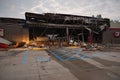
{"x": 13, "y": 29}
{"x": 65, "y": 25}
{"x": 62, "y": 27}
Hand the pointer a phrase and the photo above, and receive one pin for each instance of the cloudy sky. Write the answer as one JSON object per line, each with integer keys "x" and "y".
{"x": 17, "y": 8}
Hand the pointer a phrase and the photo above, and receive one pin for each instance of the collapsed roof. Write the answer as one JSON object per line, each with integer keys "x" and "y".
{"x": 54, "y": 20}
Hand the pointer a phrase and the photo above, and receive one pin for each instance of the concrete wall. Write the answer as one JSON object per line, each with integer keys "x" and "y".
{"x": 115, "y": 25}
{"x": 108, "y": 36}
{"x": 15, "y": 32}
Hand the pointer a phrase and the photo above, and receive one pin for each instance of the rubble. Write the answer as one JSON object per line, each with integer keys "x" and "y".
{"x": 4, "y": 43}
{"x": 92, "y": 47}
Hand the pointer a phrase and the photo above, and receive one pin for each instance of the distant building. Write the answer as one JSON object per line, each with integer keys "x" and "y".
{"x": 112, "y": 35}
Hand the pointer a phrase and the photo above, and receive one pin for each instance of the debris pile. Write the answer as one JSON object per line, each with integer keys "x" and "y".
{"x": 4, "y": 43}
{"x": 93, "y": 47}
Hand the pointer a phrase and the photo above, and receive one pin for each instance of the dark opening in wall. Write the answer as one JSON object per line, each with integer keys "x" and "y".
{"x": 75, "y": 34}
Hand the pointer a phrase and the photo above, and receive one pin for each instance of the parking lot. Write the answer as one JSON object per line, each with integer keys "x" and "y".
{"x": 26, "y": 64}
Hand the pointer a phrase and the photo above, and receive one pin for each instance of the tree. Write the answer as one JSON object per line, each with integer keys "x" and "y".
{"x": 115, "y": 21}
{"x": 99, "y": 16}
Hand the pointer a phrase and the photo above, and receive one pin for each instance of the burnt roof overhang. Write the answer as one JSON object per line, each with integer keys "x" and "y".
{"x": 50, "y": 25}
{"x": 53, "y": 20}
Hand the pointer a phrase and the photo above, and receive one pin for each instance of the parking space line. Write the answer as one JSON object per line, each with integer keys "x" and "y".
{"x": 58, "y": 57}
{"x": 72, "y": 56}
{"x": 25, "y": 57}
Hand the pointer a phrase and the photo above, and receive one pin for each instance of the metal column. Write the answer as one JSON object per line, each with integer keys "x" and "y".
{"x": 67, "y": 34}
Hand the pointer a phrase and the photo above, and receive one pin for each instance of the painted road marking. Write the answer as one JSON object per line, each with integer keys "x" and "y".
{"x": 58, "y": 57}
{"x": 72, "y": 56}
{"x": 25, "y": 57}
{"x": 43, "y": 59}
{"x": 84, "y": 55}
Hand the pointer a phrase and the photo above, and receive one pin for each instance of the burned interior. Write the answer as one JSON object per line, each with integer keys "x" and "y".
{"x": 65, "y": 27}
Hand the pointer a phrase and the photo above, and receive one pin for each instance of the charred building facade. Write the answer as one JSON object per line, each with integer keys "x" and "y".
{"x": 60, "y": 27}
{"x": 13, "y": 29}
{"x": 65, "y": 25}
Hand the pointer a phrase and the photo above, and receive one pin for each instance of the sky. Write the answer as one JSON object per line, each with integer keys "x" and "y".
{"x": 17, "y": 8}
